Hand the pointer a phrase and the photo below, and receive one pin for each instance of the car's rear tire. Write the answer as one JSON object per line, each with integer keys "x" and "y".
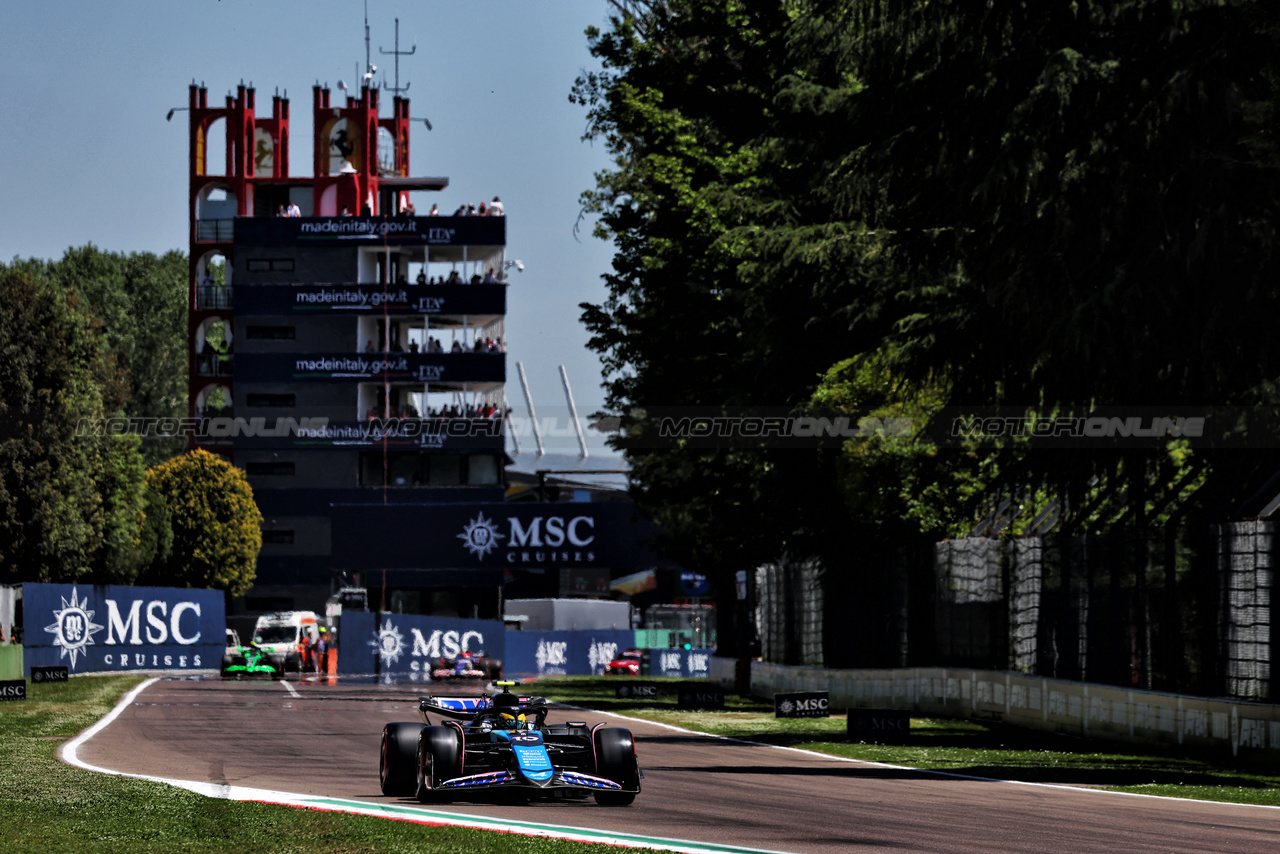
{"x": 438, "y": 758}
{"x": 616, "y": 761}
{"x": 396, "y": 758}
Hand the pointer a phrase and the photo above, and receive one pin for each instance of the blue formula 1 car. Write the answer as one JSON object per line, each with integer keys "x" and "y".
{"x": 502, "y": 746}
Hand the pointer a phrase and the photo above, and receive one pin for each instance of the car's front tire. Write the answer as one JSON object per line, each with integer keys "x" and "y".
{"x": 396, "y": 758}
{"x": 616, "y": 761}
{"x": 439, "y": 755}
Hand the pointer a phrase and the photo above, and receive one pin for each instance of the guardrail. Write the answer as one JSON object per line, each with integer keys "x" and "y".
{"x": 1053, "y": 705}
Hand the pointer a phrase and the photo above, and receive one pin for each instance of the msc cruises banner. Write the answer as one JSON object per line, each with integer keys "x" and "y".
{"x": 581, "y": 652}
{"x": 350, "y": 298}
{"x": 429, "y": 230}
{"x": 92, "y": 628}
{"x": 508, "y": 536}
{"x": 394, "y": 367}
{"x": 412, "y": 645}
{"x": 689, "y": 663}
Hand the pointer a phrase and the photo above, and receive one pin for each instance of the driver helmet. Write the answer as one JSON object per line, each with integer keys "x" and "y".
{"x": 516, "y": 722}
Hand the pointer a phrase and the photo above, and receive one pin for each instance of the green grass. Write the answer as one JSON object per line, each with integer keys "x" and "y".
{"x": 51, "y": 807}
{"x": 957, "y": 746}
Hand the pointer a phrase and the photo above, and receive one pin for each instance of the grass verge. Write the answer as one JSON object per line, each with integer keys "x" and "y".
{"x": 973, "y": 748}
{"x": 51, "y": 807}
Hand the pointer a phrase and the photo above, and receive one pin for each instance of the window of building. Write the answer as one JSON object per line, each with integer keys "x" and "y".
{"x": 270, "y": 265}
{"x": 273, "y": 400}
{"x": 446, "y": 470}
{"x": 271, "y": 333}
{"x": 482, "y": 469}
{"x": 270, "y": 468}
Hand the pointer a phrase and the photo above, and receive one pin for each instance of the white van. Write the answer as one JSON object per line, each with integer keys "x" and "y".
{"x": 280, "y": 636}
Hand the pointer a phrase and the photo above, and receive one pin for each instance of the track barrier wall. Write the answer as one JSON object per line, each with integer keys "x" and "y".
{"x": 1052, "y": 705}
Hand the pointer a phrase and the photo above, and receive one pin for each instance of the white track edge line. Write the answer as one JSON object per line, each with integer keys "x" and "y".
{"x": 873, "y": 763}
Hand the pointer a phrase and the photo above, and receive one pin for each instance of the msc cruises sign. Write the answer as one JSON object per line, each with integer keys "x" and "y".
{"x": 95, "y": 628}
{"x": 512, "y": 536}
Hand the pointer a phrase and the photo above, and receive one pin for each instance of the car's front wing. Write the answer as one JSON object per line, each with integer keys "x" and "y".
{"x": 562, "y": 779}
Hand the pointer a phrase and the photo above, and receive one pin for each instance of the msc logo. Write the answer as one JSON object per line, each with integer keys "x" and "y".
{"x": 809, "y": 704}
{"x": 552, "y": 656}
{"x": 73, "y": 627}
{"x": 600, "y": 654}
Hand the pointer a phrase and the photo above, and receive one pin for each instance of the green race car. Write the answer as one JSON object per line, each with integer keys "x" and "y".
{"x": 249, "y": 660}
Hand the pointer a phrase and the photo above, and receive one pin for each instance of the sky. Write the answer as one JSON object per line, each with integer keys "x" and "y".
{"x": 91, "y": 158}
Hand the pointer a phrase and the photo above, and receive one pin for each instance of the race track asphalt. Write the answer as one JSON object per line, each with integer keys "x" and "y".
{"x": 322, "y": 739}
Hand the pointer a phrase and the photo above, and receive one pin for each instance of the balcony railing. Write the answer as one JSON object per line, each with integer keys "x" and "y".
{"x": 213, "y": 296}
{"x": 215, "y": 230}
{"x": 214, "y": 365}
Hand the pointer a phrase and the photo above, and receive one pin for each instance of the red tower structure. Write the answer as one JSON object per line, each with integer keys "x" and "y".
{"x": 361, "y": 165}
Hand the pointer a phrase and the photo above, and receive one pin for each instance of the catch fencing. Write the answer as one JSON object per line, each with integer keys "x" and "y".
{"x": 1166, "y": 610}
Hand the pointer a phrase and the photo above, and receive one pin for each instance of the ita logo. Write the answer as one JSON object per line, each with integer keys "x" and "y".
{"x": 480, "y": 536}
{"x": 73, "y": 627}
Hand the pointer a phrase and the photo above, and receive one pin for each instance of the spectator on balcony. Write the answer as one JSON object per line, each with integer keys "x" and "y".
{"x": 435, "y": 211}
{"x": 413, "y": 346}
{"x": 454, "y": 279}
{"x": 345, "y": 211}
{"x": 457, "y": 346}
{"x": 495, "y": 208}
{"x": 422, "y": 277}
{"x": 280, "y": 211}
{"x": 489, "y": 278}
{"x": 293, "y": 210}
{"x": 368, "y": 348}
{"x": 484, "y": 210}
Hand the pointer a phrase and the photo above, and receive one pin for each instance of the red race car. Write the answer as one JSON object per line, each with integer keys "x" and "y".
{"x": 626, "y": 664}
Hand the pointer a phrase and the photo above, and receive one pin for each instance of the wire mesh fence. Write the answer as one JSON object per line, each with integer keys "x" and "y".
{"x": 1176, "y": 610}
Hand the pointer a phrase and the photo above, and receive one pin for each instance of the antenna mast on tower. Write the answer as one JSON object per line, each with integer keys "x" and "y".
{"x": 397, "y": 53}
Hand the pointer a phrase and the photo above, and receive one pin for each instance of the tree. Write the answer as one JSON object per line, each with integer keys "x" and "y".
{"x": 1055, "y": 206}
{"x": 70, "y": 501}
{"x": 141, "y": 302}
{"x": 217, "y": 527}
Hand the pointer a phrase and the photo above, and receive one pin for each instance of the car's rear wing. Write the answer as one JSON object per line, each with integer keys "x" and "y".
{"x": 461, "y": 708}
{"x": 465, "y": 708}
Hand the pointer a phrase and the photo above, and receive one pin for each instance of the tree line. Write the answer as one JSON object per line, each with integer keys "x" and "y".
{"x": 90, "y": 336}
{"x": 908, "y": 209}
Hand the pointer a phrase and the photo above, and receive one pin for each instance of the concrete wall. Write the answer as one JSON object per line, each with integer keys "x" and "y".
{"x": 1053, "y": 705}
{"x": 568, "y": 614}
